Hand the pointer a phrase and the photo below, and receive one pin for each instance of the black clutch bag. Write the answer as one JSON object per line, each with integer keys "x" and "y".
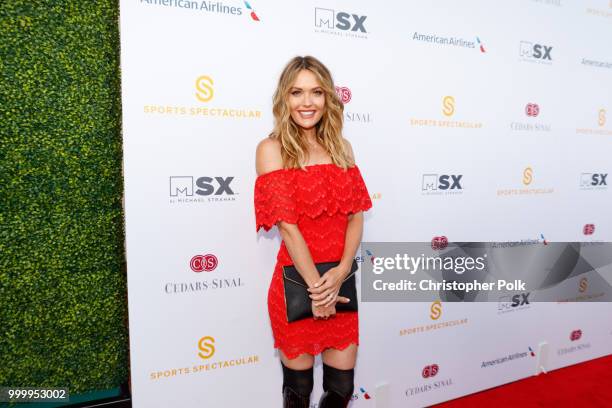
{"x": 297, "y": 297}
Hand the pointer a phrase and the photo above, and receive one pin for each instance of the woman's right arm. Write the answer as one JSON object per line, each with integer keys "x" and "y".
{"x": 268, "y": 158}
{"x": 299, "y": 252}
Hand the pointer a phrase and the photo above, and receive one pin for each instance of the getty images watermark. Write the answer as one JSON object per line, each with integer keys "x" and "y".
{"x": 486, "y": 271}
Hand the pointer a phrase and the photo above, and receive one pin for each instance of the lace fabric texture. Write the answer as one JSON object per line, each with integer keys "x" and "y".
{"x": 319, "y": 200}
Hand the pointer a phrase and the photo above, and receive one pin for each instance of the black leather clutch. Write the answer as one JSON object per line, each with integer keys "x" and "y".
{"x": 297, "y": 300}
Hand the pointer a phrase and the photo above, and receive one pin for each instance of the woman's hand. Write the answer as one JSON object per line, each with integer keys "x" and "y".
{"x": 323, "y": 313}
{"x": 325, "y": 291}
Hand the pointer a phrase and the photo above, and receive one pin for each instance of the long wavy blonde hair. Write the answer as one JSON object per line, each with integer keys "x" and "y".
{"x": 294, "y": 149}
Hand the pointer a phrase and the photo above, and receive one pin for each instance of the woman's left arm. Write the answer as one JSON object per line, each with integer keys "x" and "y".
{"x": 354, "y": 231}
{"x": 325, "y": 292}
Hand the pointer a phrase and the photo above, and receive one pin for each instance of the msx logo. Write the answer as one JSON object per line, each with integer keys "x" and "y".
{"x": 507, "y": 303}
{"x": 593, "y": 179}
{"x": 432, "y": 182}
{"x": 183, "y": 186}
{"x": 327, "y": 18}
{"x": 535, "y": 51}
{"x": 520, "y": 300}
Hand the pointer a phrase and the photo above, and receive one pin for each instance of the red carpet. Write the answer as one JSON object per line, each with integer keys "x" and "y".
{"x": 587, "y": 384}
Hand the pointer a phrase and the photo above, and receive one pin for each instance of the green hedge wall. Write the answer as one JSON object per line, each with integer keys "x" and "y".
{"x": 63, "y": 308}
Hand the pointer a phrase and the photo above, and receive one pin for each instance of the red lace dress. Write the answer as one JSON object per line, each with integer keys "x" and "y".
{"x": 319, "y": 200}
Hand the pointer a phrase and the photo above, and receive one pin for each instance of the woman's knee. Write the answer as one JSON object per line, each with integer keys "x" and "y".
{"x": 341, "y": 359}
{"x": 301, "y": 362}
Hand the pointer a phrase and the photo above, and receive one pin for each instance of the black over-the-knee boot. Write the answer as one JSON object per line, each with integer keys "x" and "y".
{"x": 297, "y": 386}
{"x": 338, "y": 387}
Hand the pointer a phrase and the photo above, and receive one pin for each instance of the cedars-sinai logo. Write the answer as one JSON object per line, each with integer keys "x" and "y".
{"x": 532, "y": 109}
{"x": 430, "y": 371}
{"x": 575, "y": 335}
{"x": 588, "y": 229}
{"x": 204, "y": 263}
{"x": 344, "y": 94}
{"x": 439, "y": 243}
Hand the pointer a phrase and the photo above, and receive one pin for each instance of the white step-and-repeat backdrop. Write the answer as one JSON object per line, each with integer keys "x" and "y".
{"x": 472, "y": 120}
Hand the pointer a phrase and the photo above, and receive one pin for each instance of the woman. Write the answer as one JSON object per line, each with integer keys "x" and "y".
{"x": 309, "y": 187}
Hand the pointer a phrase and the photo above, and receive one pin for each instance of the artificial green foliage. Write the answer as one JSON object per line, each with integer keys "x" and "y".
{"x": 63, "y": 301}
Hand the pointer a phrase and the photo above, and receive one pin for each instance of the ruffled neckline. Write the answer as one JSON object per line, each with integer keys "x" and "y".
{"x": 318, "y": 165}
{"x": 286, "y": 194}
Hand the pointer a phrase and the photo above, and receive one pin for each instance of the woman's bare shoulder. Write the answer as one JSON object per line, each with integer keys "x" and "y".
{"x": 268, "y": 156}
{"x": 349, "y": 148}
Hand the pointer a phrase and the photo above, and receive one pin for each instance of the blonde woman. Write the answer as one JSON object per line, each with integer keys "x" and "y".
{"x": 309, "y": 187}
